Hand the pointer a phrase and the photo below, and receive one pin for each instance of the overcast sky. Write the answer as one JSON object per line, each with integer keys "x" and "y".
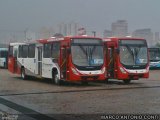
{"x": 93, "y": 14}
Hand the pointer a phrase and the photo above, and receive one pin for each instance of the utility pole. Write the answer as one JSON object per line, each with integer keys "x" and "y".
{"x": 94, "y": 33}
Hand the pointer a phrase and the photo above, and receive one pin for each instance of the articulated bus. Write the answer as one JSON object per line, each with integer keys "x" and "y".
{"x": 154, "y": 55}
{"x": 3, "y": 57}
{"x": 78, "y": 58}
{"x": 126, "y": 58}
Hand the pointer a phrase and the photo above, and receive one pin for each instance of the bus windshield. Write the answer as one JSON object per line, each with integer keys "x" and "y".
{"x": 133, "y": 53}
{"x": 154, "y": 54}
{"x": 87, "y": 53}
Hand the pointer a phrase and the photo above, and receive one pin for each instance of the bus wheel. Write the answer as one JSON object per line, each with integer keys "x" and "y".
{"x": 56, "y": 79}
{"x": 5, "y": 65}
{"x": 23, "y": 74}
{"x": 127, "y": 81}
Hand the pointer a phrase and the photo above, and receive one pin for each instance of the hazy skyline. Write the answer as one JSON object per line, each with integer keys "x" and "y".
{"x": 93, "y": 14}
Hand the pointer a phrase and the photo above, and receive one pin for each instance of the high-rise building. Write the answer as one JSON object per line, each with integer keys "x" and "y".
{"x": 146, "y": 34}
{"x": 120, "y": 28}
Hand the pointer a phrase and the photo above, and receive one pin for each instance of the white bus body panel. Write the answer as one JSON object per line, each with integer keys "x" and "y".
{"x": 47, "y": 66}
{"x": 32, "y": 68}
{"x": 2, "y": 62}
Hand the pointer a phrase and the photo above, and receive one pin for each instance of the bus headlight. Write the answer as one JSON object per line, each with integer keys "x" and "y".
{"x": 147, "y": 69}
{"x": 74, "y": 71}
{"x": 103, "y": 70}
{"x": 122, "y": 70}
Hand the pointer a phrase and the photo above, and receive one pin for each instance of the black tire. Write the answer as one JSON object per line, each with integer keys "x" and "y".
{"x": 127, "y": 81}
{"x": 56, "y": 79}
{"x": 5, "y": 65}
{"x": 23, "y": 74}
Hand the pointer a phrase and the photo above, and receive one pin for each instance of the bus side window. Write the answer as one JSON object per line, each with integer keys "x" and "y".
{"x": 24, "y": 51}
{"x": 55, "y": 50}
{"x": 20, "y": 51}
{"x": 31, "y": 51}
{"x": 47, "y": 50}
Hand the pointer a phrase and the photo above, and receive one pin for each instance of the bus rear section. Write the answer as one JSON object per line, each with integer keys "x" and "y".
{"x": 127, "y": 58}
{"x": 3, "y": 57}
{"x": 154, "y": 55}
{"x": 12, "y": 58}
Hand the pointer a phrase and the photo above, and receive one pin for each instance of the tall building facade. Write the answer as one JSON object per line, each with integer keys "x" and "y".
{"x": 146, "y": 34}
{"x": 120, "y": 28}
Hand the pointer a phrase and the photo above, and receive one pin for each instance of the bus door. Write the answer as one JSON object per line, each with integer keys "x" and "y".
{"x": 110, "y": 60}
{"x": 63, "y": 62}
{"x": 39, "y": 62}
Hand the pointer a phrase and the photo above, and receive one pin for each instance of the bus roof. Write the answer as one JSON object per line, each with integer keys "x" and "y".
{"x": 154, "y": 48}
{"x": 16, "y": 43}
{"x": 91, "y": 37}
{"x": 4, "y": 49}
{"x": 125, "y": 38}
{"x": 121, "y": 38}
{"x": 52, "y": 39}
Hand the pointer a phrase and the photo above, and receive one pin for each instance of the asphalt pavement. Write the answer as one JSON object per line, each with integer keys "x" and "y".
{"x": 40, "y": 99}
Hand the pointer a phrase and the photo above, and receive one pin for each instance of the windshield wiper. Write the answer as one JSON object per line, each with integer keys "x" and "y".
{"x": 131, "y": 52}
{"x": 82, "y": 48}
{"x": 90, "y": 56}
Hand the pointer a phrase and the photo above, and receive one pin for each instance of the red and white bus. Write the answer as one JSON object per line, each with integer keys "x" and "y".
{"x": 126, "y": 58}
{"x": 78, "y": 58}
